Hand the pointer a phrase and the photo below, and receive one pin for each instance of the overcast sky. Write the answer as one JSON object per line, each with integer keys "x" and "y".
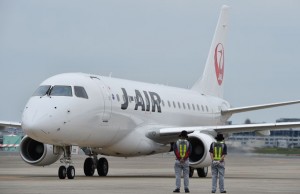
{"x": 157, "y": 41}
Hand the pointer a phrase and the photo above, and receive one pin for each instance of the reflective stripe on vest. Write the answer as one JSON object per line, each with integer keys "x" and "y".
{"x": 218, "y": 150}
{"x": 182, "y": 146}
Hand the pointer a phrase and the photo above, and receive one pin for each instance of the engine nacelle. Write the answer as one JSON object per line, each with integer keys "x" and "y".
{"x": 37, "y": 153}
{"x": 200, "y": 156}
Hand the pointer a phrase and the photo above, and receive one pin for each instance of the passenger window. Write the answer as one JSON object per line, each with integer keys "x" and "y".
{"x": 41, "y": 91}
{"x": 188, "y": 106}
{"x": 169, "y": 103}
{"x": 61, "y": 91}
{"x": 174, "y": 104}
{"x": 198, "y": 108}
{"x": 163, "y": 103}
{"x": 178, "y": 105}
{"x": 118, "y": 97}
{"x": 193, "y": 106}
{"x": 80, "y": 92}
{"x": 183, "y": 105}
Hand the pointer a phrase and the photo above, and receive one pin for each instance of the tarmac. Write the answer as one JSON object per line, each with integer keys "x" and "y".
{"x": 245, "y": 173}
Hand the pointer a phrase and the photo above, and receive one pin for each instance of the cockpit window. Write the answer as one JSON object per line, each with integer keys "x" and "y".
{"x": 41, "y": 91}
{"x": 61, "y": 91}
{"x": 80, "y": 92}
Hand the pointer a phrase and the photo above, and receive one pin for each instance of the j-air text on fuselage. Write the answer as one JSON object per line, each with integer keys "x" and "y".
{"x": 150, "y": 102}
{"x": 77, "y": 109}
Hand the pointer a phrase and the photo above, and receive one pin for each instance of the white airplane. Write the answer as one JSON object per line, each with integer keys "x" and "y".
{"x": 117, "y": 117}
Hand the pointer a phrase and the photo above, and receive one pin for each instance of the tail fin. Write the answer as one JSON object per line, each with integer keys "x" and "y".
{"x": 211, "y": 82}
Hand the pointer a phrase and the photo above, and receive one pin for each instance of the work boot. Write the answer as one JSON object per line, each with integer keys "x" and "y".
{"x": 176, "y": 190}
{"x": 223, "y": 192}
{"x": 187, "y": 190}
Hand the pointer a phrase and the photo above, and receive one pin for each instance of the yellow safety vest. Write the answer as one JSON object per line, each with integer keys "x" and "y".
{"x": 218, "y": 150}
{"x": 182, "y": 146}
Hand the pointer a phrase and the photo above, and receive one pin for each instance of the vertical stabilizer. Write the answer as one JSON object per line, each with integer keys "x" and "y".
{"x": 211, "y": 82}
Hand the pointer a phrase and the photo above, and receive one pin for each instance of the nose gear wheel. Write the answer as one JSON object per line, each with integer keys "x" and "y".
{"x": 66, "y": 170}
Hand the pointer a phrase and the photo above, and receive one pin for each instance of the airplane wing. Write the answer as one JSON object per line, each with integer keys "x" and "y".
{"x": 257, "y": 107}
{"x": 4, "y": 124}
{"x": 170, "y": 134}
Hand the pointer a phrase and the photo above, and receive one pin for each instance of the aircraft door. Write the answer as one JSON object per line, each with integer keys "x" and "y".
{"x": 105, "y": 91}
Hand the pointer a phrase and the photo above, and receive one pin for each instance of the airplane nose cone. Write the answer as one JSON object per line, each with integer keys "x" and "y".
{"x": 34, "y": 122}
{"x": 38, "y": 120}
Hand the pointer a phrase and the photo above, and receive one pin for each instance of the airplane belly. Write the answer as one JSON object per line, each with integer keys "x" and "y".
{"x": 133, "y": 145}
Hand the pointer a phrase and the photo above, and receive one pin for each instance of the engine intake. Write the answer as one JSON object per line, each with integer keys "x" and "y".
{"x": 37, "y": 153}
{"x": 200, "y": 156}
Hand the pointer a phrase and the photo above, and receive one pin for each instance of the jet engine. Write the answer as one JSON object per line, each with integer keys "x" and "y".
{"x": 200, "y": 156}
{"x": 37, "y": 153}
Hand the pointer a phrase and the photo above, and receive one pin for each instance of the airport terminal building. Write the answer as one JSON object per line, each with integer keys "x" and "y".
{"x": 288, "y": 138}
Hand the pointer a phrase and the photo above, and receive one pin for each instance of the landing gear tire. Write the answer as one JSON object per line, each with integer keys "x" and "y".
{"x": 71, "y": 172}
{"x": 191, "y": 173}
{"x": 62, "y": 172}
{"x": 102, "y": 167}
{"x": 202, "y": 172}
{"x": 89, "y": 167}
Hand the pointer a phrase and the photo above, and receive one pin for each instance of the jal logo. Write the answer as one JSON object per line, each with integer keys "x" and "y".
{"x": 219, "y": 62}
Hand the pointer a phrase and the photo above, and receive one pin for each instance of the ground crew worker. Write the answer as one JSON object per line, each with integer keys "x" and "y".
{"x": 218, "y": 151}
{"x": 182, "y": 149}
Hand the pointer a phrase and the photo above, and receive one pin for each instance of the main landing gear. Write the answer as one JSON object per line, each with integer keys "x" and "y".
{"x": 202, "y": 172}
{"x": 91, "y": 163}
{"x": 66, "y": 170}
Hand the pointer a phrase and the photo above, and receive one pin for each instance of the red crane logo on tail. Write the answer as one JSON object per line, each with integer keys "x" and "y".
{"x": 219, "y": 62}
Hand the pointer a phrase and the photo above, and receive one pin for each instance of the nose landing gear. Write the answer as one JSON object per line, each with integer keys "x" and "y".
{"x": 66, "y": 170}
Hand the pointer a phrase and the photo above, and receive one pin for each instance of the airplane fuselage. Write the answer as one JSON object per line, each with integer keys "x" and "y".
{"x": 114, "y": 113}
